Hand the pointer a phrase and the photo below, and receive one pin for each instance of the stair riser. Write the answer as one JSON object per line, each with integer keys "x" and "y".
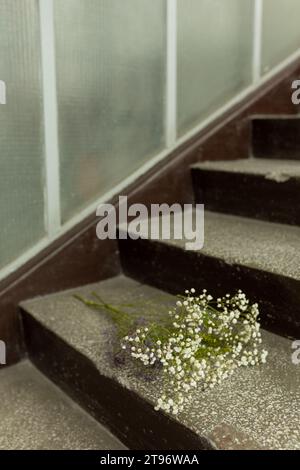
{"x": 174, "y": 270}
{"x": 276, "y": 138}
{"x": 127, "y": 415}
{"x": 248, "y": 195}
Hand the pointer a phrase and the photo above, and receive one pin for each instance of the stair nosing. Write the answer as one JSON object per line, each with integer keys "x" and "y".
{"x": 274, "y": 167}
{"x": 269, "y": 228}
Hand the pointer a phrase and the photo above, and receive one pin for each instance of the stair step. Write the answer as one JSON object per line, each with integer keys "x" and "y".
{"x": 276, "y": 137}
{"x": 255, "y": 408}
{"x": 36, "y": 415}
{"x": 262, "y": 258}
{"x": 259, "y": 188}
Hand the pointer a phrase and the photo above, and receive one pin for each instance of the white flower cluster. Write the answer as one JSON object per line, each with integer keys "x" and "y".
{"x": 203, "y": 343}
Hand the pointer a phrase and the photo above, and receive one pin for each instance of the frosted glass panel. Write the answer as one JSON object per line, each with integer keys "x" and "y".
{"x": 21, "y": 130}
{"x": 214, "y": 55}
{"x": 111, "y": 89}
{"x": 281, "y": 31}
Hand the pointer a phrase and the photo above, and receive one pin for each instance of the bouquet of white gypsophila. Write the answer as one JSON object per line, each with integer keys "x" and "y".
{"x": 202, "y": 343}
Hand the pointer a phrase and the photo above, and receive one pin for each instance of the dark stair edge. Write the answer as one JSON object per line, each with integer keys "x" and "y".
{"x": 174, "y": 269}
{"x": 275, "y": 137}
{"x": 247, "y": 195}
{"x": 129, "y": 417}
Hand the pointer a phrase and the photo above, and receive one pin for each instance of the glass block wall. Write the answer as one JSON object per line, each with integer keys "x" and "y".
{"x": 281, "y": 31}
{"x": 21, "y": 130}
{"x": 214, "y": 55}
{"x": 129, "y": 80}
{"x": 111, "y": 82}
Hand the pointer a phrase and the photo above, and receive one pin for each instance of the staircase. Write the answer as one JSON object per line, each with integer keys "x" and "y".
{"x": 252, "y": 242}
{"x": 35, "y": 414}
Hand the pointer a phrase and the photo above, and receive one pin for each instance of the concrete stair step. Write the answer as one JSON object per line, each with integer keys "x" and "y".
{"x": 276, "y": 137}
{"x": 36, "y": 415}
{"x": 259, "y": 257}
{"x": 260, "y": 188}
{"x": 74, "y": 345}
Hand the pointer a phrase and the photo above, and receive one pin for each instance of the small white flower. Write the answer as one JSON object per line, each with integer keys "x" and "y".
{"x": 235, "y": 325}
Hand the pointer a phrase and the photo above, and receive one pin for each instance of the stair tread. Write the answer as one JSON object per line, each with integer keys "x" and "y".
{"x": 256, "y": 407}
{"x": 277, "y": 170}
{"x": 266, "y": 246}
{"x": 35, "y": 415}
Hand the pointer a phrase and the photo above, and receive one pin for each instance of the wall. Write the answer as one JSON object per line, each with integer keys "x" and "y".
{"x": 98, "y": 91}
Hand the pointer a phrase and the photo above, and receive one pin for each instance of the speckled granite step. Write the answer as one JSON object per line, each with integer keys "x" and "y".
{"x": 255, "y": 408}
{"x": 36, "y": 415}
{"x": 260, "y": 188}
{"x": 259, "y": 257}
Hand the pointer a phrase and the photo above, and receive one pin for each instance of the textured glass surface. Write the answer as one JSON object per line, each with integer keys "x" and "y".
{"x": 281, "y": 31}
{"x": 214, "y": 55}
{"x": 21, "y": 130}
{"x": 111, "y": 88}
